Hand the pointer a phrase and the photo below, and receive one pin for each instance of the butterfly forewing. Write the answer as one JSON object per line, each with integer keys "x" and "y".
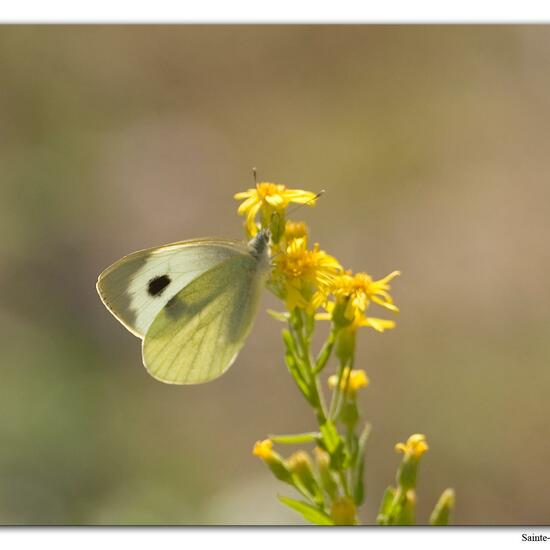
{"x": 197, "y": 335}
{"x": 137, "y": 287}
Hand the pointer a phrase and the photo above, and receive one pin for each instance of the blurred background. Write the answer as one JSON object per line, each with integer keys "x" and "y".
{"x": 432, "y": 145}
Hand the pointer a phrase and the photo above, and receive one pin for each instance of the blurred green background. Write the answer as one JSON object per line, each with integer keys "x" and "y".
{"x": 432, "y": 143}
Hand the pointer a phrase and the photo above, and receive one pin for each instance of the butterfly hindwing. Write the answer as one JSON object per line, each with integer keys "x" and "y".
{"x": 137, "y": 287}
{"x": 197, "y": 335}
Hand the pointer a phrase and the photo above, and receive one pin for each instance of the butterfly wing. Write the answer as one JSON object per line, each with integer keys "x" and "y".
{"x": 137, "y": 287}
{"x": 199, "y": 333}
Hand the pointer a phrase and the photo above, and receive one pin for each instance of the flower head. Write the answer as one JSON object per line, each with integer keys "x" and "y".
{"x": 415, "y": 446}
{"x": 267, "y": 199}
{"x": 351, "y": 381}
{"x": 412, "y": 451}
{"x": 353, "y": 294}
{"x": 303, "y": 277}
{"x": 263, "y": 449}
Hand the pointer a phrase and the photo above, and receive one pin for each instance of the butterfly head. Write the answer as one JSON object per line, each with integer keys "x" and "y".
{"x": 259, "y": 244}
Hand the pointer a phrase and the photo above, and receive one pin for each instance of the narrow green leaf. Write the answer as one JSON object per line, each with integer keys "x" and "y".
{"x": 293, "y": 350}
{"x": 292, "y": 365}
{"x": 359, "y": 467}
{"x": 279, "y": 315}
{"x": 289, "y": 342}
{"x": 443, "y": 508}
{"x": 309, "y": 326}
{"x": 295, "y": 373}
{"x": 310, "y": 513}
{"x": 334, "y": 444}
{"x": 311, "y": 492}
{"x": 291, "y": 439}
{"x": 331, "y": 437}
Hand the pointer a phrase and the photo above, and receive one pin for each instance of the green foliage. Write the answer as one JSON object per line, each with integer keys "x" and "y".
{"x": 292, "y": 439}
{"x": 306, "y": 280}
{"x": 335, "y": 488}
{"x": 358, "y": 470}
{"x": 310, "y": 513}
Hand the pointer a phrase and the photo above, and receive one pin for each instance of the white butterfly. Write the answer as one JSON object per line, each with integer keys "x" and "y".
{"x": 192, "y": 303}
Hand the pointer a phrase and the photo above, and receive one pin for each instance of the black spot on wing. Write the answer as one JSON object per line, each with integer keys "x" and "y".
{"x": 157, "y": 285}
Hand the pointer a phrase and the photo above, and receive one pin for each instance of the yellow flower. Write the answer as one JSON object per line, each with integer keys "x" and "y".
{"x": 415, "y": 446}
{"x": 353, "y": 295}
{"x": 263, "y": 449}
{"x": 360, "y": 288}
{"x": 351, "y": 381}
{"x": 303, "y": 277}
{"x": 268, "y": 198}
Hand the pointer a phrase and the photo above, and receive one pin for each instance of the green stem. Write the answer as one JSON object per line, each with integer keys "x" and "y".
{"x": 344, "y": 482}
{"x": 303, "y": 346}
{"x": 337, "y": 396}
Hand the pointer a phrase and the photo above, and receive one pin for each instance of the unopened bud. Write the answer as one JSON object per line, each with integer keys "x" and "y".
{"x": 344, "y": 512}
{"x": 443, "y": 508}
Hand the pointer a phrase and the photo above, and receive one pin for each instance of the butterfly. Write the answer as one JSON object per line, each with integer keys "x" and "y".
{"x": 192, "y": 303}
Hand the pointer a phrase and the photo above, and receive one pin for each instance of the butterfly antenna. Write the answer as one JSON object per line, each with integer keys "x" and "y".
{"x": 255, "y": 175}
{"x": 310, "y": 201}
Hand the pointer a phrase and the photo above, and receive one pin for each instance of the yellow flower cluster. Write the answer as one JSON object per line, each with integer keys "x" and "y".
{"x": 307, "y": 277}
{"x": 302, "y": 276}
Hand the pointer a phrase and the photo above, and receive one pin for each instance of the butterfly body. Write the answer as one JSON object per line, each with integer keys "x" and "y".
{"x": 192, "y": 303}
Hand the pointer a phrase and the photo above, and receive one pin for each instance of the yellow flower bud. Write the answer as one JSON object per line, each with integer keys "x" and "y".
{"x": 263, "y": 449}
{"x": 322, "y": 458}
{"x": 295, "y": 230}
{"x": 351, "y": 381}
{"x": 344, "y": 512}
{"x": 443, "y": 508}
{"x": 300, "y": 465}
{"x": 415, "y": 446}
{"x": 299, "y": 462}
{"x": 412, "y": 450}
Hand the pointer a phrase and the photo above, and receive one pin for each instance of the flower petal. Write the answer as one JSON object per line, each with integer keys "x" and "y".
{"x": 244, "y": 194}
{"x": 248, "y": 203}
{"x": 380, "y": 325}
{"x": 251, "y": 226}
{"x": 277, "y": 201}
